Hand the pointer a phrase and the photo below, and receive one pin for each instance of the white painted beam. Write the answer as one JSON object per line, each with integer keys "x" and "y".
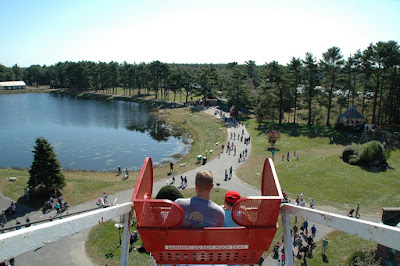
{"x": 386, "y": 235}
{"x": 20, "y": 241}
{"x": 287, "y": 237}
{"x": 126, "y": 239}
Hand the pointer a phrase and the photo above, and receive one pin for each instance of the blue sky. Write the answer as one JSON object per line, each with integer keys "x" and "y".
{"x": 185, "y": 31}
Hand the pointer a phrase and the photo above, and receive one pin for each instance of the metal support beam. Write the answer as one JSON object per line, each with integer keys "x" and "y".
{"x": 383, "y": 234}
{"x": 18, "y": 242}
{"x": 126, "y": 239}
{"x": 287, "y": 237}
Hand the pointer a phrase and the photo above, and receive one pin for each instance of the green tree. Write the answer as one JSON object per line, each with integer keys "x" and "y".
{"x": 275, "y": 77}
{"x": 156, "y": 74}
{"x": 331, "y": 62}
{"x": 208, "y": 81}
{"x": 45, "y": 174}
{"x": 251, "y": 70}
{"x": 188, "y": 86}
{"x": 237, "y": 91}
{"x": 6, "y": 74}
{"x": 311, "y": 71}
{"x": 295, "y": 67}
{"x": 17, "y": 72}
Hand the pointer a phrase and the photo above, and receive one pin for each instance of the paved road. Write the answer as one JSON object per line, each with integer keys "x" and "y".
{"x": 71, "y": 250}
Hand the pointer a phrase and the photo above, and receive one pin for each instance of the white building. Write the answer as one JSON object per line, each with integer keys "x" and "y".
{"x": 12, "y": 85}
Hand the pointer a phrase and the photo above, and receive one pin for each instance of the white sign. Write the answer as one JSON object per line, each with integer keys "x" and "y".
{"x": 205, "y": 247}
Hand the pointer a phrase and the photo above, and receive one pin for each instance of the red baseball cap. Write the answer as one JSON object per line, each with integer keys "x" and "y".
{"x": 232, "y": 196}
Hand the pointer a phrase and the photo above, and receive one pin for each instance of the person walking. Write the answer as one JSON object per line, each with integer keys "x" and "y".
{"x": 4, "y": 218}
{"x": 313, "y": 231}
{"x": 311, "y": 204}
{"x": 295, "y": 229}
{"x": 13, "y": 208}
{"x": 104, "y": 197}
{"x": 305, "y": 226}
{"x": 324, "y": 246}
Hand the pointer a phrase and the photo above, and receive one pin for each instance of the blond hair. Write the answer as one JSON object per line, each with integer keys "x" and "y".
{"x": 204, "y": 180}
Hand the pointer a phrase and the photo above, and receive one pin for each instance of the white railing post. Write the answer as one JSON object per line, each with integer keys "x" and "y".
{"x": 287, "y": 237}
{"x": 126, "y": 238}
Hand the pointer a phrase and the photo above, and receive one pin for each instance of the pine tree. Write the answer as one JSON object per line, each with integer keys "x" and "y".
{"x": 45, "y": 173}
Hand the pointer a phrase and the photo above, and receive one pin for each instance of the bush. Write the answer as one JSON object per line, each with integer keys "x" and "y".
{"x": 169, "y": 192}
{"x": 354, "y": 159}
{"x": 372, "y": 151}
{"x": 364, "y": 258}
{"x": 347, "y": 152}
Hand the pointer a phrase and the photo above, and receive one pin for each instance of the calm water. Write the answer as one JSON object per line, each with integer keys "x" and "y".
{"x": 85, "y": 134}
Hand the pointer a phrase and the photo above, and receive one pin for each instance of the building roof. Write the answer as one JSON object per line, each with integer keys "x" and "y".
{"x": 12, "y": 83}
{"x": 352, "y": 113}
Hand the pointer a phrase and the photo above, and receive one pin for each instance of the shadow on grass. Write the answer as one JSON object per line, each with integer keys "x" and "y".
{"x": 111, "y": 254}
{"x": 340, "y": 137}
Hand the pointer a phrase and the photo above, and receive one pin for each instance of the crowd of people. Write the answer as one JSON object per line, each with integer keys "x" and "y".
{"x": 57, "y": 204}
{"x": 303, "y": 240}
{"x": 231, "y": 147}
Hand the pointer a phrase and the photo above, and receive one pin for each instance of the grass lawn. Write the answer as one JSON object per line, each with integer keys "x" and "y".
{"x": 103, "y": 247}
{"x": 82, "y": 186}
{"x": 319, "y": 172}
{"x": 340, "y": 249}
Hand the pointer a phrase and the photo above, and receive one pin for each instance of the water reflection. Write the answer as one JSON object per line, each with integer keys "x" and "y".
{"x": 86, "y": 133}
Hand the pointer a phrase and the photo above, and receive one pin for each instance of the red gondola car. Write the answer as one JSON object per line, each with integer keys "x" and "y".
{"x": 158, "y": 225}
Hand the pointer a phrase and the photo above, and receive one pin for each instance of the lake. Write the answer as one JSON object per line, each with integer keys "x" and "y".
{"x": 85, "y": 133}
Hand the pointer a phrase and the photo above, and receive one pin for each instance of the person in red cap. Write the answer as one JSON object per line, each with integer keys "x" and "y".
{"x": 230, "y": 198}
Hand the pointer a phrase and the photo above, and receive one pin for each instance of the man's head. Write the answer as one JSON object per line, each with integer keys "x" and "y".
{"x": 204, "y": 181}
{"x": 231, "y": 197}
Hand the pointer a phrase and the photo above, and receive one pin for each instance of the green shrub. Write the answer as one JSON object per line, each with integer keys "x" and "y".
{"x": 372, "y": 151}
{"x": 347, "y": 152}
{"x": 363, "y": 258}
{"x": 354, "y": 159}
{"x": 169, "y": 192}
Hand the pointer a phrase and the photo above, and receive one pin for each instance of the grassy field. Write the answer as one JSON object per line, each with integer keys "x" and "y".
{"x": 83, "y": 186}
{"x": 319, "y": 172}
{"x": 29, "y": 89}
{"x": 103, "y": 247}
{"x": 340, "y": 249}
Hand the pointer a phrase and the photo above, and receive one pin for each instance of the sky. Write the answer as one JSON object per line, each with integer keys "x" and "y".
{"x": 46, "y": 32}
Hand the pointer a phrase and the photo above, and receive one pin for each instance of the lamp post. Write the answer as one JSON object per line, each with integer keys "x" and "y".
{"x": 119, "y": 226}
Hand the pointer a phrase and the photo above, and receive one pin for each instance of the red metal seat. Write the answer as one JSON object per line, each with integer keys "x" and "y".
{"x": 158, "y": 225}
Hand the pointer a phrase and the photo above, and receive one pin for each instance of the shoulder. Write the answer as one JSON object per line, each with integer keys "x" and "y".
{"x": 215, "y": 206}
{"x": 182, "y": 201}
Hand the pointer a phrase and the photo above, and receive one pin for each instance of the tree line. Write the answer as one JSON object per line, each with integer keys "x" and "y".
{"x": 306, "y": 89}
